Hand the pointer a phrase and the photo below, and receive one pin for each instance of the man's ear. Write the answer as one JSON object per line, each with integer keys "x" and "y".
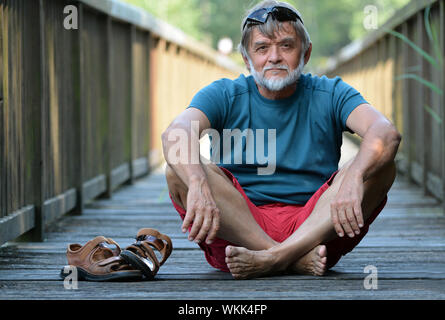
{"x": 307, "y": 55}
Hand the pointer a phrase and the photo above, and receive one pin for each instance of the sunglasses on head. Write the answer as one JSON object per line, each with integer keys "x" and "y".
{"x": 279, "y": 13}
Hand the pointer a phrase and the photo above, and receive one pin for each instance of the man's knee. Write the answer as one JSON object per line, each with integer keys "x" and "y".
{"x": 386, "y": 176}
{"x": 174, "y": 182}
{"x": 170, "y": 174}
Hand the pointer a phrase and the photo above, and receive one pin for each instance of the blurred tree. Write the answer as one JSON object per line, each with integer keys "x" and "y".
{"x": 184, "y": 14}
{"x": 331, "y": 24}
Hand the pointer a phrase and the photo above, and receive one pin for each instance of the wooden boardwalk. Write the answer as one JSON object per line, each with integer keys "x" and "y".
{"x": 406, "y": 244}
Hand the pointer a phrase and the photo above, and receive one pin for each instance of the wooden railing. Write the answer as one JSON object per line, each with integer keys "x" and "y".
{"x": 400, "y": 70}
{"x": 82, "y": 110}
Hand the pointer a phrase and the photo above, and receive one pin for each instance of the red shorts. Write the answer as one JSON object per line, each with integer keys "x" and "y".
{"x": 279, "y": 221}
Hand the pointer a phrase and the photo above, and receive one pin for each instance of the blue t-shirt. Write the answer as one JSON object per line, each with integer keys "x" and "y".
{"x": 301, "y": 135}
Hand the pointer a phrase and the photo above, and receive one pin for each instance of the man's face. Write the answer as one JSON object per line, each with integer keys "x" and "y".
{"x": 275, "y": 62}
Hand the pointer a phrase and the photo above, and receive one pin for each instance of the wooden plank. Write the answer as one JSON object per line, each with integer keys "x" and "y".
{"x": 191, "y": 265}
{"x": 94, "y": 187}
{"x": 35, "y": 83}
{"x": 442, "y": 97}
{"x": 120, "y": 175}
{"x": 140, "y": 167}
{"x": 108, "y": 136}
{"x": 79, "y": 113}
{"x": 420, "y": 96}
{"x": 406, "y": 110}
{"x": 58, "y": 206}
{"x": 2, "y": 140}
{"x": 132, "y": 104}
{"x": 17, "y": 223}
{"x": 276, "y": 288}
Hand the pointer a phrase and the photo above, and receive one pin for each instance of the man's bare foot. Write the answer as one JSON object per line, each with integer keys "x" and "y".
{"x": 313, "y": 263}
{"x": 247, "y": 264}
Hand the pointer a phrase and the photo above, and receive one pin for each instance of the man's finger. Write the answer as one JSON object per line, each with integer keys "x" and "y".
{"x": 189, "y": 216}
{"x": 197, "y": 222}
{"x": 352, "y": 220}
{"x": 358, "y": 213}
{"x": 336, "y": 222}
{"x": 207, "y": 223}
{"x": 344, "y": 222}
{"x": 214, "y": 229}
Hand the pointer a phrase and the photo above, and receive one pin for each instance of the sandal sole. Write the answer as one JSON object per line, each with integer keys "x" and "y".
{"x": 82, "y": 274}
{"x": 136, "y": 262}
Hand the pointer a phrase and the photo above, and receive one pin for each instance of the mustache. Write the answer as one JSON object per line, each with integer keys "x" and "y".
{"x": 281, "y": 67}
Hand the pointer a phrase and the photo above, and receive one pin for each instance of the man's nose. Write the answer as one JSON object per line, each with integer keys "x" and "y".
{"x": 275, "y": 55}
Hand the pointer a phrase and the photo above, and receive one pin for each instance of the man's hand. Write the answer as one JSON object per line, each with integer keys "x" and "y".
{"x": 201, "y": 212}
{"x": 346, "y": 208}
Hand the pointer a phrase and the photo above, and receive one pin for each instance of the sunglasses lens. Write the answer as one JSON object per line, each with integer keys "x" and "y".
{"x": 259, "y": 15}
{"x": 284, "y": 14}
{"x": 279, "y": 13}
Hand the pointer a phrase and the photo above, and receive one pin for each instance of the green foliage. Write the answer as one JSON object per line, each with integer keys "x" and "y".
{"x": 184, "y": 14}
{"x": 436, "y": 62}
{"x": 331, "y": 24}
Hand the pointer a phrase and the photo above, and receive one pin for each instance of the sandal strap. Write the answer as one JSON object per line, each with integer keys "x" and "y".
{"x": 144, "y": 250}
{"x": 158, "y": 240}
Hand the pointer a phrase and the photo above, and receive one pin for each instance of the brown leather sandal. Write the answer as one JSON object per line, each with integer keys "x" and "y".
{"x": 96, "y": 262}
{"x": 140, "y": 254}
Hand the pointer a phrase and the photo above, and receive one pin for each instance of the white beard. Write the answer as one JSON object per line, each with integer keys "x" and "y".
{"x": 277, "y": 84}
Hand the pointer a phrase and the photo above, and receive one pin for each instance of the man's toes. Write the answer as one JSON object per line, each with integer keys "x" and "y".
{"x": 319, "y": 271}
{"x": 322, "y": 251}
{"x": 233, "y": 259}
{"x": 231, "y": 251}
{"x": 234, "y": 267}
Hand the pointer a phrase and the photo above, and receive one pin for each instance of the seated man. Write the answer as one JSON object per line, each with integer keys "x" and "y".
{"x": 300, "y": 214}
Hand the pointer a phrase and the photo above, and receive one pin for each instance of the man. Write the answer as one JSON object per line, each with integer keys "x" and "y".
{"x": 305, "y": 215}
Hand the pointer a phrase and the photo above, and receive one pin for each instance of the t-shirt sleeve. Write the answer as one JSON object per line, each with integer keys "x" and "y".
{"x": 212, "y": 100}
{"x": 344, "y": 100}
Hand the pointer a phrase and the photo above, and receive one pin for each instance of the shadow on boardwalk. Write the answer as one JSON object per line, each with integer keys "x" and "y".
{"x": 406, "y": 244}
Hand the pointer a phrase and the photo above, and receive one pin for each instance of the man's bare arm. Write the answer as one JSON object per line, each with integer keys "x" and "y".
{"x": 201, "y": 207}
{"x": 379, "y": 147}
{"x": 380, "y": 140}
{"x": 183, "y": 164}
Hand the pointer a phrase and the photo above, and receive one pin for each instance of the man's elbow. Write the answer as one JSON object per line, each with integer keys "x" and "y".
{"x": 395, "y": 135}
{"x": 164, "y": 137}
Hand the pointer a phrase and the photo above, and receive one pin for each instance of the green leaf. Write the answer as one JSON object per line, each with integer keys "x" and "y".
{"x": 402, "y": 37}
{"x": 426, "y": 83}
{"x": 433, "y": 114}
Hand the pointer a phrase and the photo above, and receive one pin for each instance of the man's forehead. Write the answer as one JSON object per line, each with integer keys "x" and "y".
{"x": 285, "y": 32}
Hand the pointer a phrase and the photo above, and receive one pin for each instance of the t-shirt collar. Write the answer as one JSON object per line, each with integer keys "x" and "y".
{"x": 279, "y": 102}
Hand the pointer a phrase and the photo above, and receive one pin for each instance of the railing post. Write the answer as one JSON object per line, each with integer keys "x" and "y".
{"x": 79, "y": 114}
{"x": 421, "y": 104}
{"x": 442, "y": 97}
{"x": 131, "y": 108}
{"x": 406, "y": 107}
{"x": 108, "y": 192}
{"x": 35, "y": 16}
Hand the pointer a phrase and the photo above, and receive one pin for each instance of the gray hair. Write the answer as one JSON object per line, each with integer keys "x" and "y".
{"x": 271, "y": 27}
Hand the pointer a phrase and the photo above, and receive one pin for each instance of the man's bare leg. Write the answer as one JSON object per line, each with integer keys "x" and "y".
{"x": 315, "y": 231}
{"x": 237, "y": 224}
